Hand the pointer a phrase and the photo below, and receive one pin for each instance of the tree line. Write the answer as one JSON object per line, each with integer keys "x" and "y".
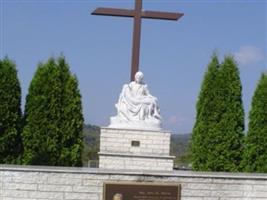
{"x": 218, "y": 141}
{"x": 50, "y": 130}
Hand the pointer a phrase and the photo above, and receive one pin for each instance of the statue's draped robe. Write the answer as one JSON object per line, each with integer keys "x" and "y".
{"x": 136, "y": 104}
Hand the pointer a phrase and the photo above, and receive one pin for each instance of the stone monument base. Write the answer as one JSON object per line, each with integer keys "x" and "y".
{"x": 135, "y": 149}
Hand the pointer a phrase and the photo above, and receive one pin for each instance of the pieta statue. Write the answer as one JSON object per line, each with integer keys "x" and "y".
{"x": 136, "y": 107}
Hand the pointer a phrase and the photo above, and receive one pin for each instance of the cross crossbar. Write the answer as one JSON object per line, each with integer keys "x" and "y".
{"x": 130, "y": 13}
{"x": 114, "y": 12}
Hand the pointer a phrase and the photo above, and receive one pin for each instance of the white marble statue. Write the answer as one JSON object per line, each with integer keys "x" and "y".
{"x": 136, "y": 107}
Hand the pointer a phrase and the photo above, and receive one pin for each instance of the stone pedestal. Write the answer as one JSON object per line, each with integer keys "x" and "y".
{"x": 135, "y": 149}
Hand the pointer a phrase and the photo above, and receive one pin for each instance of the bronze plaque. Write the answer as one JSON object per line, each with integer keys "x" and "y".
{"x": 141, "y": 191}
{"x": 135, "y": 143}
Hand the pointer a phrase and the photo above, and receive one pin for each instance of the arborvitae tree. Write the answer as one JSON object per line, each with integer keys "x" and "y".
{"x": 10, "y": 113}
{"x": 220, "y": 120}
{"x": 226, "y": 142}
{"x": 72, "y": 119}
{"x": 255, "y": 153}
{"x": 205, "y": 117}
{"x": 53, "y": 117}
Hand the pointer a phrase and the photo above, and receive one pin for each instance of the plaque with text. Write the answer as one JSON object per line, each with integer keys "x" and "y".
{"x": 141, "y": 191}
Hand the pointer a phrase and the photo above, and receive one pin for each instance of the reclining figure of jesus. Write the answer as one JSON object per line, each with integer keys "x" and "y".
{"x": 136, "y": 107}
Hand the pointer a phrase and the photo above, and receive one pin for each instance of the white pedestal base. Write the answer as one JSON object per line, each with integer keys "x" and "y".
{"x": 135, "y": 149}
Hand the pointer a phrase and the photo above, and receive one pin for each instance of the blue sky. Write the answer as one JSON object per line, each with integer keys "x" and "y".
{"x": 174, "y": 55}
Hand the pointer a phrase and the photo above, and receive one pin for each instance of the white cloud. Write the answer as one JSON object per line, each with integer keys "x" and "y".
{"x": 177, "y": 120}
{"x": 248, "y": 55}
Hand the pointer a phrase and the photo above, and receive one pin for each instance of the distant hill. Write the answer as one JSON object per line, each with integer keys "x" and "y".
{"x": 91, "y": 134}
{"x": 180, "y": 149}
{"x": 91, "y": 143}
{"x": 179, "y": 145}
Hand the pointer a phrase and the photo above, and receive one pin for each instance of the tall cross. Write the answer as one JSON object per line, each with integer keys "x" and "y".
{"x": 137, "y": 14}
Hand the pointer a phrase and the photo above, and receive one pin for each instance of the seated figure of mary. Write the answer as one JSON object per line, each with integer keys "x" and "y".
{"x": 136, "y": 107}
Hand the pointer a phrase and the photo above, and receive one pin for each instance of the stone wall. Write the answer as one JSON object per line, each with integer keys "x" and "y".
{"x": 58, "y": 183}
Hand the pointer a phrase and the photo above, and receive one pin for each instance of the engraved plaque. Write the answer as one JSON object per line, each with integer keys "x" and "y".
{"x": 135, "y": 143}
{"x": 141, "y": 191}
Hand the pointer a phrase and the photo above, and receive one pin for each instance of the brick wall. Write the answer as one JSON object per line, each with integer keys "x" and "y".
{"x": 58, "y": 183}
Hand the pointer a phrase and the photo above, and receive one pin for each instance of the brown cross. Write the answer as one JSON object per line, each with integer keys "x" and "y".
{"x": 137, "y": 14}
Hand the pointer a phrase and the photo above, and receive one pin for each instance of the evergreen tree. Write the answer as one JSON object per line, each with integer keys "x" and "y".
{"x": 10, "y": 113}
{"x": 205, "y": 116}
{"x": 53, "y": 117}
{"x": 255, "y": 154}
{"x": 218, "y": 132}
{"x": 227, "y": 139}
